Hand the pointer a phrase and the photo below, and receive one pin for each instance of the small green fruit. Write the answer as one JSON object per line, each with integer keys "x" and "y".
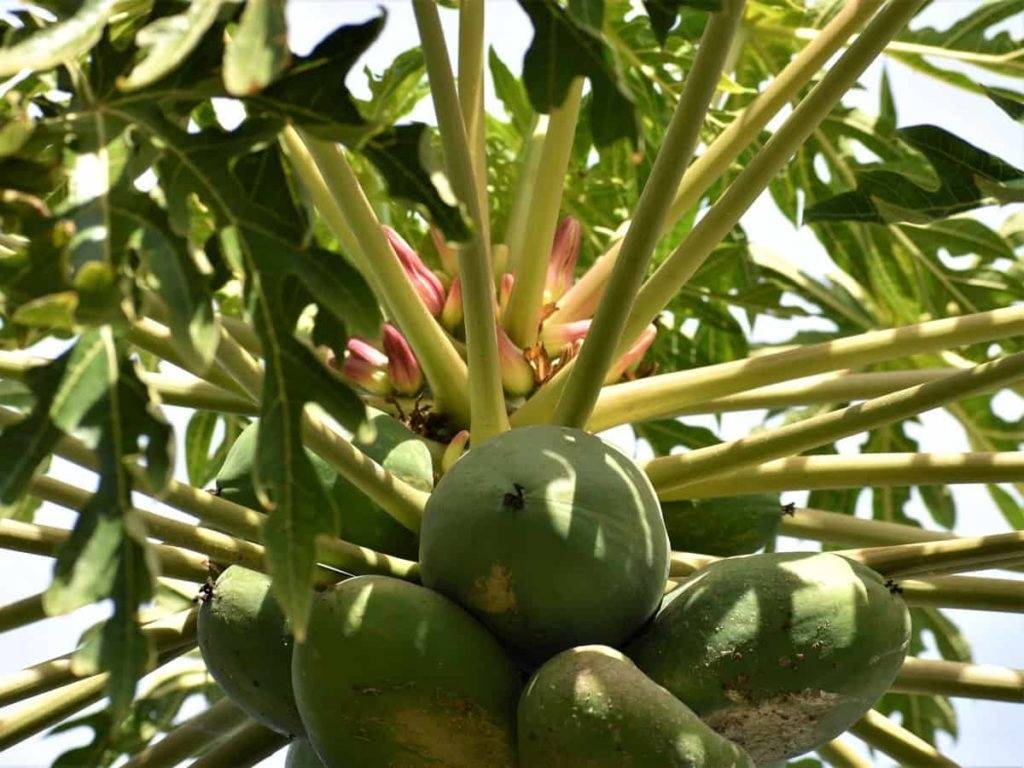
{"x": 247, "y": 647}
{"x": 727, "y": 526}
{"x": 394, "y": 674}
{"x": 361, "y": 521}
{"x": 301, "y": 755}
{"x": 550, "y": 537}
{"x": 590, "y": 707}
{"x": 779, "y": 653}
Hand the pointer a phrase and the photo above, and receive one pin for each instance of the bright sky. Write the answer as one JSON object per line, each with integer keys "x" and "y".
{"x": 986, "y": 736}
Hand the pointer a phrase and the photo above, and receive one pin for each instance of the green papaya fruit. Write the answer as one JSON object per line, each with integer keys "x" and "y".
{"x": 727, "y": 526}
{"x": 551, "y": 537}
{"x": 361, "y": 520}
{"x": 247, "y": 647}
{"x": 590, "y": 707}
{"x": 301, "y": 755}
{"x": 780, "y": 652}
{"x": 394, "y": 674}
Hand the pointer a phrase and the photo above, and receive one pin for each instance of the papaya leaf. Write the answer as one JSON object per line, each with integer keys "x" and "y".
{"x": 663, "y": 13}
{"x": 568, "y": 45}
{"x": 667, "y": 434}
{"x": 257, "y": 51}
{"x": 1011, "y": 102}
{"x": 511, "y": 93}
{"x": 166, "y": 42}
{"x": 968, "y": 178}
{"x": 397, "y": 90}
{"x": 63, "y": 41}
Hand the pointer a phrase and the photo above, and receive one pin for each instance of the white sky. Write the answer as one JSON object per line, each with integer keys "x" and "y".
{"x": 988, "y": 736}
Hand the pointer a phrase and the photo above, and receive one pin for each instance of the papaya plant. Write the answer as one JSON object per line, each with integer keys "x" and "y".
{"x": 343, "y": 381}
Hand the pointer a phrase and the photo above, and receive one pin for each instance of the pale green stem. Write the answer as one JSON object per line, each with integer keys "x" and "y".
{"x": 522, "y": 317}
{"x": 46, "y": 540}
{"x": 193, "y": 735}
{"x": 870, "y": 470}
{"x": 443, "y": 367}
{"x": 486, "y": 396}
{"x": 748, "y": 185}
{"x": 847, "y": 530}
{"x": 663, "y": 396}
{"x": 839, "y": 387}
{"x": 583, "y": 386}
{"x": 22, "y": 612}
{"x": 966, "y": 592}
{"x": 244, "y": 748}
{"x": 714, "y": 162}
{"x": 705, "y": 463}
{"x": 529, "y": 167}
{"x": 901, "y": 745}
{"x": 953, "y": 678}
{"x": 471, "y": 98}
{"x": 168, "y": 635}
{"x": 839, "y": 754}
{"x": 935, "y": 558}
{"x": 244, "y": 334}
{"x": 56, "y": 705}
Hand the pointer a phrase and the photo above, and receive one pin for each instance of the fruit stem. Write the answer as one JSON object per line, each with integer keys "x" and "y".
{"x": 755, "y": 177}
{"x": 870, "y": 470}
{"x": 667, "y": 395}
{"x": 444, "y": 369}
{"x": 839, "y": 754}
{"x": 22, "y": 612}
{"x": 193, "y": 735}
{"x": 601, "y": 346}
{"x": 486, "y": 396}
{"x": 244, "y": 748}
{"x": 175, "y": 633}
{"x": 939, "y": 557}
{"x": 954, "y": 678}
{"x": 680, "y": 470}
{"x": 44, "y": 540}
{"x": 533, "y": 251}
{"x": 471, "y": 99}
{"x": 901, "y": 745}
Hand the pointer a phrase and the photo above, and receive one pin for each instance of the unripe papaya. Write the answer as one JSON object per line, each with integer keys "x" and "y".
{"x": 779, "y": 653}
{"x": 361, "y": 521}
{"x": 392, "y": 674}
{"x": 727, "y": 526}
{"x": 590, "y": 707}
{"x": 551, "y": 537}
{"x": 247, "y": 647}
{"x": 301, "y": 755}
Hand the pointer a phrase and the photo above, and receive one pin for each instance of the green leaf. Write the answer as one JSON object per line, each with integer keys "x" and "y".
{"x": 1011, "y": 102}
{"x": 397, "y": 90}
{"x": 663, "y": 13}
{"x": 968, "y": 178}
{"x": 257, "y": 51}
{"x": 667, "y": 434}
{"x": 166, "y": 42}
{"x": 63, "y": 41}
{"x": 511, "y": 93}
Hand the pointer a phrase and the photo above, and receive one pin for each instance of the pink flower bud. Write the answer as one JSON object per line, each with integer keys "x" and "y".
{"x": 454, "y": 450}
{"x": 631, "y": 359}
{"x": 561, "y": 267}
{"x": 504, "y": 292}
{"x": 555, "y": 338}
{"x": 451, "y": 314}
{"x": 403, "y": 367}
{"x": 366, "y": 366}
{"x": 429, "y": 288}
{"x": 448, "y": 256}
{"x": 516, "y": 373}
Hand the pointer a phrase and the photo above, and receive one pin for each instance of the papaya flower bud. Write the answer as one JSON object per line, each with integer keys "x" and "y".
{"x": 445, "y": 253}
{"x": 631, "y": 359}
{"x": 504, "y": 292}
{"x": 429, "y": 288}
{"x": 451, "y": 314}
{"x": 516, "y": 373}
{"x": 454, "y": 450}
{"x": 403, "y": 367}
{"x": 556, "y": 337}
{"x": 366, "y": 366}
{"x": 562, "y": 265}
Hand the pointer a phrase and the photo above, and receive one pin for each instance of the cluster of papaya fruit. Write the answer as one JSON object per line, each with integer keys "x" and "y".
{"x": 541, "y": 634}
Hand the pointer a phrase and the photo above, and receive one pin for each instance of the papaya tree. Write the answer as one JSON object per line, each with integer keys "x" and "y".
{"x": 326, "y": 390}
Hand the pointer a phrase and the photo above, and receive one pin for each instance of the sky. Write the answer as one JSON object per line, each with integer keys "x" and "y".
{"x": 987, "y": 736}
